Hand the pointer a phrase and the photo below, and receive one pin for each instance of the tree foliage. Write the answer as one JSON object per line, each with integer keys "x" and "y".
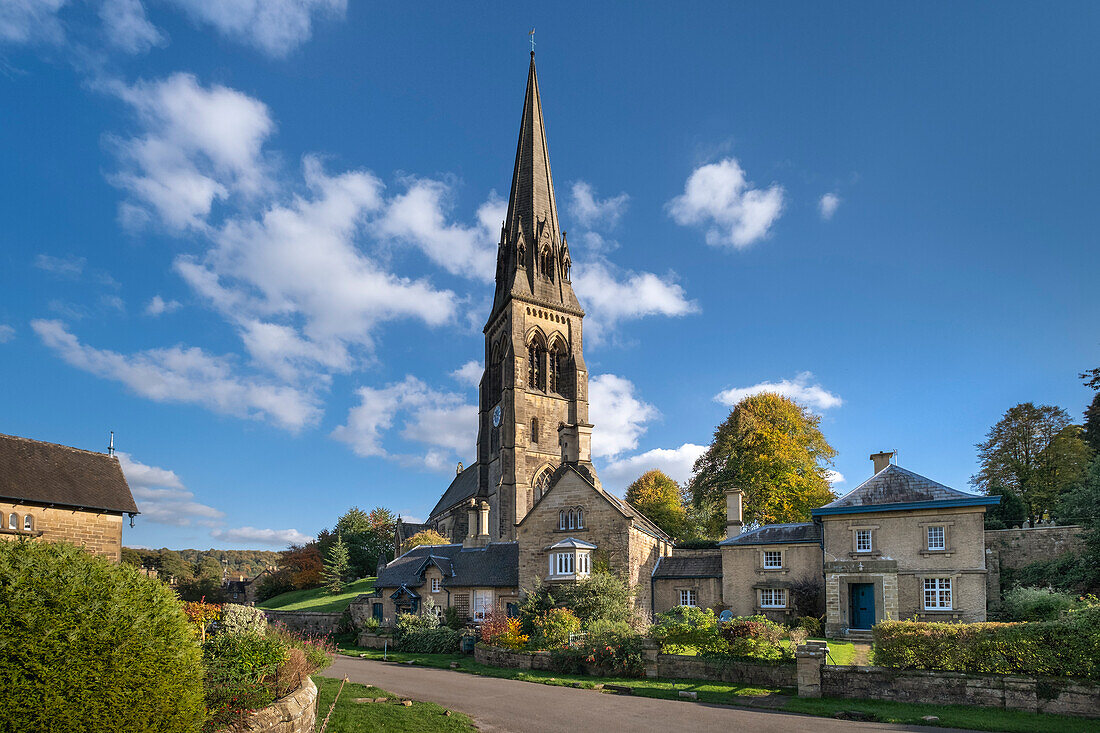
{"x": 772, "y": 449}
{"x": 661, "y": 500}
{"x": 336, "y": 566}
{"x": 425, "y": 537}
{"x": 1092, "y": 412}
{"x": 1035, "y": 452}
{"x": 1011, "y": 512}
{"x": 368, "y": 536}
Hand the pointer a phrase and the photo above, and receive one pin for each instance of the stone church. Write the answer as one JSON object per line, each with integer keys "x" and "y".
{"x": 531, "y": 509}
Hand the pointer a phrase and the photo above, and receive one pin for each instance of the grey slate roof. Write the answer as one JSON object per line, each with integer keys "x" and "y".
{"x": 493, "y": 566}
{"x": 463, "y": 487}
{"x": 47, "y": 473}
{"x": 777, "y": 534}
{"x": 692, "y": 566}
{"x": 896, "y": 485}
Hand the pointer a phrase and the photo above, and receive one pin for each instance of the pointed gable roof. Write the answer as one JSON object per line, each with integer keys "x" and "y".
{"x": 895, "y": 488}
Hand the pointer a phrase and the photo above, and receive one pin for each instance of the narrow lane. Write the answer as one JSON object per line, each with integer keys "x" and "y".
{"x": 511, "y": 706}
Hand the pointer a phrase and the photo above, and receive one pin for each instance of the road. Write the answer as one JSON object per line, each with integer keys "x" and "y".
{"x": 511, "y": 706}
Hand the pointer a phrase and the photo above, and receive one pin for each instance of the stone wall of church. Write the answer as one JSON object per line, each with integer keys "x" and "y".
{"x": 99, "y": 533}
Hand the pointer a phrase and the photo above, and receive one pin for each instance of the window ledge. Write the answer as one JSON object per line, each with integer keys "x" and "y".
{"x": 869, "y": 553}
{"x": 937, "y": 553}
{"x": 784, "y": 609}
{"x": 781, "y": 571}
{"x": 575, "y": 529}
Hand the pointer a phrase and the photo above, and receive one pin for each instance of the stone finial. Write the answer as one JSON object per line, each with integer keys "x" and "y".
{"x": 459, "y": 469}
{"x": 734, "y": 513}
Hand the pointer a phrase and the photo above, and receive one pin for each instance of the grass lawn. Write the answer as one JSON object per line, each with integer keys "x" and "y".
{"x": 951, "y": 716}
{"x": 353, "y": 717}
{"x": 318, "y": 599}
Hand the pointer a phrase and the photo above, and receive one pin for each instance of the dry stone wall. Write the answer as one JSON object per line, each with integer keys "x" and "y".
{"x": 306, "y": 622}
{"x": 295, "y": 713}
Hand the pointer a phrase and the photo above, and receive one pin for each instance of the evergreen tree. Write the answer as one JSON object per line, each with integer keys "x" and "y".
{"x": 1092, "y": 412}
{"x": 336, "y": 566}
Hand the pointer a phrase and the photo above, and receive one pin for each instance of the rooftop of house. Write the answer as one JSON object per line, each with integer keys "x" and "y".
{"x": 494, "y": 566}
{"x": 48, "y": 473}
{"x": 897, "y": 488}
{"x": 777, "y": 534}
{"x": 692, "y": 566}
{"x": 462, "y": 487}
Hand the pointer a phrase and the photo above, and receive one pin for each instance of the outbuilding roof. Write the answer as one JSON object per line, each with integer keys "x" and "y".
{"x": 48, "y": 473}
{"x": 690, "y": 566}
{"x": 777, "y": 534}
{"x": 494, "y": 566}
{"x": 896, "y": 488}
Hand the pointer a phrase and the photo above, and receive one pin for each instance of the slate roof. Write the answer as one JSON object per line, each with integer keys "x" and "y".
{"x": 777, "y": 534}
{"x": 573, "y": 543}
{"x": 895, "y": 485}
{"x": 493, "y": 566}
{"x": 690, "y": 566}
{"x": 463, "y": 487}
{"x": 47, "y": 473}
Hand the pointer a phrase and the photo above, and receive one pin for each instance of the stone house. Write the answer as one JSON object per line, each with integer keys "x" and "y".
{"x": 63, "y": 494}
{"x": 687, "y": 577}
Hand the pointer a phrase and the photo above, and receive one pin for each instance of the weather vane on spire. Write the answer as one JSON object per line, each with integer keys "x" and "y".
{"x": 531, "y": 35}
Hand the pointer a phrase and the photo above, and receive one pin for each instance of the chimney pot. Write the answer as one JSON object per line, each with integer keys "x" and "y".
{"x": 734, "y": 515}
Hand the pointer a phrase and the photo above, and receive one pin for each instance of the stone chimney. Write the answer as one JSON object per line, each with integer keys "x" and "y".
{"x": 471, "y": 525}
{"x": 882, "y": 460}
{"x": 575, "y": 442}
{"x": 734, "y": 517}
{"x": 483, "y": 523}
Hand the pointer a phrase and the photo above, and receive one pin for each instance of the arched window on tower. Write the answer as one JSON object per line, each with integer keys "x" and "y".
{"x": 542, "y": 483}
{"x": 546, "y": 264}
{"x": 536, "y": 375}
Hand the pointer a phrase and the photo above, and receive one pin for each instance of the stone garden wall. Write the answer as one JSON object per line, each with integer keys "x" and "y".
{"x": 295, "y": 713}
{"x": 306, "y": 622}
{"x": 1015, "y": 548}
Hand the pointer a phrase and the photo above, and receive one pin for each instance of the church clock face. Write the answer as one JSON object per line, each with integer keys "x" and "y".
{"x": 497, "y": 413}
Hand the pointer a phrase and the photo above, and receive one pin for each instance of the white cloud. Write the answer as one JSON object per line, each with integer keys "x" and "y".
{"x": 274, "y": 537}
{"x": 31, "y": 21}
{"x": 594, "y": 213}
{"x": 127, "y": 27}
{"x": 828, "y": 205}
{"x": 441, "y": 420}
{"x": 200, "y": 144}
{"x": 800, "y": 389}
{"x": 186, "y": 375}
{"x": 7, "y": 333}
{"x": 719, "y": 197}
{"x": 162, "y": 497}
{"x": 469, "y": 373}
{"x": 676, "y": 462}
{"x": 618, "y": 415}
{"x": 159, "y": 306}
{"x": 275, "y": 27}
{"x": 610, "y": 297}
{"x": 834, "y": 477}
{"x": 419, "y": 216}
{"x": 67, "y": 267}
{"x": 597, "y": 244}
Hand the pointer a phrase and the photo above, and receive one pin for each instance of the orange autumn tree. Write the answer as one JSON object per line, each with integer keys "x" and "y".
{"x": 771, "y": 448}
{"x": 661, "y": 500}
{"x": 424, "y": 537}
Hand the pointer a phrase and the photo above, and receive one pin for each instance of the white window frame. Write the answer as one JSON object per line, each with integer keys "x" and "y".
{"x": 580, "y": 518}
{"x": 869, "y": 535}
{"x": 572, "y": 520}
{"x": 941, "y": 531}
{"x": 437, "y": 585}
{"x": 937, "y": 594}
{"x": 483, "y": 604}
{"x": 584, "y": 563}
{"x": 773, "y": 597}
{"x": 13, "y": 521}
{"x": 28, "y": 523}
{"x": 777, "y": 556}
{"x": 688, "y": 597}
{"x": 562, "y": 563}
{"x": 561, "y": 519}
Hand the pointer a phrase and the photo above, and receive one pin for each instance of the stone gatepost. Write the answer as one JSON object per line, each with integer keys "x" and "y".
{"x": 649, "y": 652}
{"x": 810, "y": 658}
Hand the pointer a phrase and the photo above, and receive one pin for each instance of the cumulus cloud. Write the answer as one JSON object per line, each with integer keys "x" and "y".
{"x": 834, "y": 477}
{"x": 200, "y": 144}
{"x": 610, "y": 296}
{"x": 162, "y": 497}
{"x": 469, "y": 373}
{"x": 828, "y": 205}
{"x": 441, "y": 420}
{"x": 126, "y": 26}
{"x": 801, "y": 389}
{"x": 31, "y": 21}
{"x": 275, "y": 27}
{"x": 186, "y": 375}
{"x": 719, "y": 196}
{"x": 255, "y": 535}
{"x": 159, "y": 306}
{"x": 676, "y": 462}
{"x": 592, "y": 212}
{"x": 7, "y": 333}
{"x": 619, "y": 415}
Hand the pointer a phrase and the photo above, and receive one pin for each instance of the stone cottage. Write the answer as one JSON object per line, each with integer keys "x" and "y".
{"x": 63, "y": 494}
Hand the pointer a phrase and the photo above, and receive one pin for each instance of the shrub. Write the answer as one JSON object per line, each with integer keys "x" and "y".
{"x": 553, "y": 628}
{"x": 318, "y": 650}
{"x": 274, "y": 584}
{"x": 440, "y": 640}
{"x": 88, "y": 645}
{"x": 622, "y": 659}
{"x": 237, "y": 619}
{"x": 240, "y": 670}
{"x": 607, "y": 630}
{"x": 414, "y": 622}
{"x": 808, "y": 596}
{"x": 755, "y": 637}
{"x": 1035, "y": 604}
{"x": 600, "y": 596}
{"x": 1068, "y": 572}
{"x": 687, "y": 627}
{"x": 372, "y": 624}
{"x": 201, "y": 615}
{"x": 809, "y": 624}
{"x": 1067, "y": 647}
{"x": 452, "y": 619}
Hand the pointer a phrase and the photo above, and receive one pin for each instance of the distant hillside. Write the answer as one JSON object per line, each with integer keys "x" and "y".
{"x": 240, "y": 562}
{"x": 319, "y": 599}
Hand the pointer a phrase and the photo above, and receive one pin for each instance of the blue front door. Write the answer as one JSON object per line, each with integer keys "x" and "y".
{"x": 862, "y": 609}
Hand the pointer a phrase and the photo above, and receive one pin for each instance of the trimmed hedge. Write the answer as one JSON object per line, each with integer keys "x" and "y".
{"x": 1069, "y": 647}
{"x": 441, "y": 640}
{"x": 88, "y": 645}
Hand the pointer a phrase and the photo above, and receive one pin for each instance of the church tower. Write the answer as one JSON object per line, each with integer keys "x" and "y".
{"x": 533, "y": 411}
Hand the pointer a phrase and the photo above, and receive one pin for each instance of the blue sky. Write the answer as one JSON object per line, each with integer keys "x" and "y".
{"x": 253, "y": 242}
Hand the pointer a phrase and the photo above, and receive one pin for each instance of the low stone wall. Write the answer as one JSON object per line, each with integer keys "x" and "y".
{"x": 368, "y": 640}
{"x": 307, "y": 622}
{"x": 661, "y": 665}
{"x": 295, "y": 713}
{"x": 1032, "y": 694}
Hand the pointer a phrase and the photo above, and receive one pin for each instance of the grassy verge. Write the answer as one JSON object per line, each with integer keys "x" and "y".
{"x": 318, "y": 599}
{"x": 350, "y": 716}
{"x": 950, "y": 716}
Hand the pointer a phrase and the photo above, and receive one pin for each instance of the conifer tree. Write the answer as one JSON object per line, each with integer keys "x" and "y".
{"x": 336, "y": 566}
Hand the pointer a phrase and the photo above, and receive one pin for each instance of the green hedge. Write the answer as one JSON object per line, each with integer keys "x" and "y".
{"x": 1069, "y": 647}
{"x": 441, "y": 640}
{"x": 89, "y": 645}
